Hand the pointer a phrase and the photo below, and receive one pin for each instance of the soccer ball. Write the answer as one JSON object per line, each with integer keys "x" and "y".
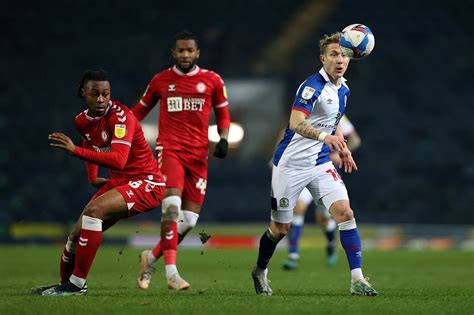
{"x": 357, "y": 41}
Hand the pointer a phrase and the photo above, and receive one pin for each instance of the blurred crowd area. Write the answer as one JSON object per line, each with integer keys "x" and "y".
{"x": 411, "y": 100}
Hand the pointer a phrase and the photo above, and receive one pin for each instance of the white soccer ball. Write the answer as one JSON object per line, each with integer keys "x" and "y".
{"x": 357, "y": 41}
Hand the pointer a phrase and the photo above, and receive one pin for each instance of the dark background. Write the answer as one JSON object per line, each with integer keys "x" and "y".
{"x": 411, "y": 100}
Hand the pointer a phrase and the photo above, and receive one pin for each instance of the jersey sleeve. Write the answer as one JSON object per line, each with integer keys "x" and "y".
{"x": 124, "y": 126}
{"x": 220, "y": 104}
{"x": 347, "y": 127}
{"x": 149, "y": 99}
{"x": 91, "y": 168}
{"x": 305, "y": 97}
{"x": 219, "y": 96}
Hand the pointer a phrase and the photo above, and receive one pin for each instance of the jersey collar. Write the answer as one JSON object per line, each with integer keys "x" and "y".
{"x": 326, "y": 77}
{"x": 97, "y": 118}
{"x": 189, "y": 74}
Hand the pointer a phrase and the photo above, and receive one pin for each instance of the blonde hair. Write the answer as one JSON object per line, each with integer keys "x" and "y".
{"x": 327, "y": 40}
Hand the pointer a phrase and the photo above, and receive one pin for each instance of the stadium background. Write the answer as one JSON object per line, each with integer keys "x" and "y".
{"x": 411, "y": 100}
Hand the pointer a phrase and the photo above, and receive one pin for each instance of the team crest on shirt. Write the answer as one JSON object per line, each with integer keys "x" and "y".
{"x": 308, "y": 92}
{"x": 225, "y": 92}
{"x": 171, "y": 88}
{"x": 200, "y": 87}
{"x": 284, "y": 203}
{"x": 104, "y": 135}
{"x": 120, "y": 131}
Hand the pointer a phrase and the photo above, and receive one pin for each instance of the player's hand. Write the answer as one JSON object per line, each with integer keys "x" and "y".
{"x": 98, "y": 182}
{"x": 347, "y": 162}
{"x": 221, "y": 148}
{"x": 335, "y": 143}
{"x": 60, "y": 140}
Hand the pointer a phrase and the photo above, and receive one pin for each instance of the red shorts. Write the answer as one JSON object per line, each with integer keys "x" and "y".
{"x": 140, "y": 195}
{"x": 186, "y": 172}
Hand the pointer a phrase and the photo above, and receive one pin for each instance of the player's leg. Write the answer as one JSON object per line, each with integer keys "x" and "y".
{"x": 285, "y": 190}
{"x": 110, "y": 206}
{"x": 192, "y": 198}
{"x": 174, "y": 171}
{"x": 328, "y": 186}
{"x": 193, "y": 195}
{"x": 340, "y": 209}
{"x": 296, "y": 230}
{"x": 68, "y": 256}
{"x": 328, "y": 225}
{"x": 67, "y": 261}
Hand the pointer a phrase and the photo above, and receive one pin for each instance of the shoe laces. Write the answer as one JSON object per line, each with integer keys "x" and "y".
{"x": 366, "y": 282}
{"x": 263, "y": 282}
{"x": 148, "y": 272}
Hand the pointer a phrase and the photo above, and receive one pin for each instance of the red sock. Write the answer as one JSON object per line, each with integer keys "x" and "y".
{"x": 66, "y": 265}
{"x": 157, "y": 251}
{"x": 89, "y": 242}
{"x": 169, "y": 241}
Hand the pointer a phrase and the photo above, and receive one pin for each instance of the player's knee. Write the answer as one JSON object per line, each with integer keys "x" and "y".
{"x": 277, "y": 231}
{"x": 343, "y": 214}
{"x": 93, "y": 210}
{"x": 170, "y": 208}
{"x": 186, "y": 221}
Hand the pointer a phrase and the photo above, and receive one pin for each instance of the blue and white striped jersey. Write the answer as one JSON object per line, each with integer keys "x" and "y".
{"x": 324, "y": 103}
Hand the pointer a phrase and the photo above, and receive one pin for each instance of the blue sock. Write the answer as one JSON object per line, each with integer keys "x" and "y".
{"x": 265, "y": 250}
{"x": 294, "y": 238}
{"x": 351, "y": 243}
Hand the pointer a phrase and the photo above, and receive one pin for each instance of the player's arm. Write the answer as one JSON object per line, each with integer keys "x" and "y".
{"x": 221, "y": 110}
{"x": 93, "y": 171}
{"x": 147, "y": 102}
{"x": 120, "y": 145}
{"x": 353, "y": 141}
{"x": 345, "y": 159}
{"x": 299, "y": 125}
{"x": 349, "y": 133}
{"x": 117, "y": 158}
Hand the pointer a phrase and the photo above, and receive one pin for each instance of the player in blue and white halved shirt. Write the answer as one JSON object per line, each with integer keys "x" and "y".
{"x": 302, "y": 161}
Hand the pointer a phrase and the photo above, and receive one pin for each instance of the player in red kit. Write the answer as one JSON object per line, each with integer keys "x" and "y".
{"x": 112, "y": 138}
{"x": 186, "y": 94}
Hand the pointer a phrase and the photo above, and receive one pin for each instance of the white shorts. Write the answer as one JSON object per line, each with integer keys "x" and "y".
{"x": 322, "y": 181}
{"x": 306, "y": 198}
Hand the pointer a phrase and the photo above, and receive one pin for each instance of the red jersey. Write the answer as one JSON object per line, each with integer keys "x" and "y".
{"x": 116, "y": 141}
{"x": 186, "y": 100}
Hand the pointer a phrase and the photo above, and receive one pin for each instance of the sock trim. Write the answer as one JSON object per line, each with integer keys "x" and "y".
{"x": 78, "y": 282}
{"x": 91, "y": 224}
{"x": 347, "y": 225}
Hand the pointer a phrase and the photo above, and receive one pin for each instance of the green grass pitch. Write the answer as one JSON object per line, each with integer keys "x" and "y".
{"x": 409, "y": 282}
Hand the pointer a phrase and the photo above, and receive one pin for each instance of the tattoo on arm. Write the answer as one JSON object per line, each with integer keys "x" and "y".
{"x": 307, "y": 131}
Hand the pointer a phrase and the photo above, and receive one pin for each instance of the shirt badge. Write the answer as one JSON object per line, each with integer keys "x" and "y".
{"x": 308, "y": 92}
{"x": 200, "y": 87}
{"x": 171, "y": 88}
{"x": 120, "y": 131}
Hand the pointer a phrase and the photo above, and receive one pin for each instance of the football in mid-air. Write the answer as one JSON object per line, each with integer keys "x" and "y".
{"x": 357, "y": 41}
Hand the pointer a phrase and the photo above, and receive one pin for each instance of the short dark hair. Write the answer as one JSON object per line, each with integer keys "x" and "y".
{"x": 91, "y": 75}
{"x": 186, "y": 35}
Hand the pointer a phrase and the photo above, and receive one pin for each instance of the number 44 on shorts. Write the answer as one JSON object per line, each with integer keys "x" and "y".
{"x": 202, "y": 185}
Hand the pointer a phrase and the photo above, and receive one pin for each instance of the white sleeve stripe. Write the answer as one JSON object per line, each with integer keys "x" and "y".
{"x": 222, "y": 104}
{"x": 143, "y": 103}
{"x": 121, "y": 142}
